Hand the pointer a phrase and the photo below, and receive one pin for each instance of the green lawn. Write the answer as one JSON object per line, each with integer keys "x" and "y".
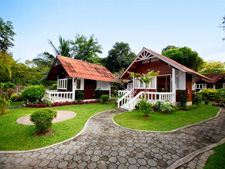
{"x": 20, "y": 137}
{"x": 217, "y": 160}
{"x": 165, "y": 122}
{"x": 15, "y": 104}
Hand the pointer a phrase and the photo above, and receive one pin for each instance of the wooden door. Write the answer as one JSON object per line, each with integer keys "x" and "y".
{"x": 89, "y": 89}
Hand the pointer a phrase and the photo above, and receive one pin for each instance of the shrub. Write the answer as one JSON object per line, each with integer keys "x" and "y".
{"x": 43, "y": 119}
{"x": 196, "y": 99}
{"x": 207, "y": 101}
{"x": 209, "y": 94}
{"x": 79, "y": 96}
{"x": 54, "y": 86}
{"x": 98, "y": 94}
{"x": 145, "y": 107}
{"x": 33, "y": 93}
{"x": 164, "y": 107}
{"x": 4, "y": 103}
{"x": 104, "y": 98}
{"x": 8, "y": 87}
{"x": 115, "y": 92}
{"x": 183, "y": 99}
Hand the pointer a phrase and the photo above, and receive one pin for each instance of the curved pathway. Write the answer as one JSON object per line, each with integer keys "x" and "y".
{"x": 106, "y": 145}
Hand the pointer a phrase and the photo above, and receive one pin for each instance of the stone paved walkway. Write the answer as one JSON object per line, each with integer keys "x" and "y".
{"x": 106, "y": 145}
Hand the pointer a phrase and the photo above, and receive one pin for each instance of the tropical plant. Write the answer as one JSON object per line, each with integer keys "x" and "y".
{"x": 4, "y": 103}
{"x": 164, "y": 107}
{"x": 43, "y": 119}
{"x": 145, "y": 78}
{"x": 145, "y": 107}
{"x": 79, "y": 96}
{"x": 209, "y": 94}
{"x": 196, "y": 99}
{"x": 33, "y": 93}
{"x": 104, "y": 98}
{"x": 8, "y": 87}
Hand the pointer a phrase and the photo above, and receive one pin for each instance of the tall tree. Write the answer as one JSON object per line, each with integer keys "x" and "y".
{"x": 6, "y": 35}
{"x": 223, "y": 25}
{"x": 120, "y": 56}
{"x": 186, "y": 57}
{"x": 213, "y": 67}
{"x": 169, "y": 47}
{"x": 86, "y": 49}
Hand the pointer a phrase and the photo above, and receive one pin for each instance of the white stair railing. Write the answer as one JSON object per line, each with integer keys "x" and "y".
{"x": 152, "y": 97}
{"x": 122, "y": 92}
{"x": 124, "y": 100}
{"x": 60, "y": 96}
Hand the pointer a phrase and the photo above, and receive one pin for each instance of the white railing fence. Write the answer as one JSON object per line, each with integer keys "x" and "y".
{"x": 59, "y": 96}
{"x": 125, "y": 99}
{"x": 122, "y": 92}
{"x": 152, "y": 97}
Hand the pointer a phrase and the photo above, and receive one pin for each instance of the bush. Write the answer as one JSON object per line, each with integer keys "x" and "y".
{"x": 54, "y": 87}
{"x": 33, "y": 93}
{"x": 104, "y": 98}
{"x": 209, "y": 94}
{"x": 8, "y": 87}
{"x": 79, "y": 96}
{"x": 43, "y": 119}
{"x": 98, "y": 94}
{"x": 207, "y": 101}
{"x": 196, "y": 99}
{"x": 4, "y": 103}
{"x": 145, "y": 107}
{"x": 164, "y": 107}
{"x": 115, "y": 92}
{"x": 183, "y": 99}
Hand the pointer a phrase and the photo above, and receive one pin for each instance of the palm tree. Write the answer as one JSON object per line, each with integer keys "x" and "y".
{"x": 145, "y": 78}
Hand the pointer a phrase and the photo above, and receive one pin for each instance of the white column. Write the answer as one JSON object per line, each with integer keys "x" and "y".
{"x": 109, "y": 90}
{"x": 173, "y": 85}
{"x": 57, "y": 82}
{"x": 73, "y": 94}
{"x": 133, "y": 84}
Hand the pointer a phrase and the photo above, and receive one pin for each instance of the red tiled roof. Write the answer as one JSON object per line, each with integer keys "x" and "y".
{"x": 85, "y": 70}
{"x": 214, "y": 77}
{"x": 174, "y": 63}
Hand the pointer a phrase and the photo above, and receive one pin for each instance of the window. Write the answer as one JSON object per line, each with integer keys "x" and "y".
{"x": 139, "y": 85}
{"x": 78, "y": 83}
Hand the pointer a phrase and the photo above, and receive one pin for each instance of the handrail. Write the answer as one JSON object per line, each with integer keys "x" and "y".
{"x": 126, "y": 98}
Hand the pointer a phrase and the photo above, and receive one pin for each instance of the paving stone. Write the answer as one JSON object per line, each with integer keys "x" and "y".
{"x": 35, "y": 155}
{"x": 26, "y": 155}
{"x": 35, "y": 163}
{"x": 51, "y": 156}
{"x": 42, "y": 156}
{"x": 44, "y": 163}
{"x": 132, "y": 160}
{"x": 152, "y": 163}
{"x": 18, "y": 160}
{"x": 77, "y": 158}
{"x": 112, "y": 166}
{"x": 102, "y": 165}
{"x": 142, "y": 162}
{"x": 92, "y": 165}
{"x": 72, "y": 164}
{"x": 113, "y": 159}
{"x": 53, "y": 164}
{"x": 133, "y": 167}
{"x": 63, "y": 164}
{"x": 82, "y": 165}
{"x": 60, "y": 157}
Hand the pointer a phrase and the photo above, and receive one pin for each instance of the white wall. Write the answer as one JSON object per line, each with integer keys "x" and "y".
{"x": 193, "y": 82}
{"x": 103, "y": 85}
{"x": 180, "y": 81}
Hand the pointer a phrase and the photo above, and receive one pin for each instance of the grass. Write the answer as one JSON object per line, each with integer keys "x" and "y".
{"x": 217, "y": 160}
{"x": 15, "y": 104}
{"x": 20, "y": 137}
{"x": 165, "y": 122}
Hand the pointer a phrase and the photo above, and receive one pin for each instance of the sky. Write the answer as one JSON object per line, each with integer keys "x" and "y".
{"x": 140, "y": 23}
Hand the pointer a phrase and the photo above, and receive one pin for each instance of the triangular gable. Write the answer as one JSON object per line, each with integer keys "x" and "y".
{"x": 146, "y": 54}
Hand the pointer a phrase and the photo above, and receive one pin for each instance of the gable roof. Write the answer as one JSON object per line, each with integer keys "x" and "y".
{"x": 84, "y": 70}
{"x": 214, "y": 77}
{"x": 165, "y": 59}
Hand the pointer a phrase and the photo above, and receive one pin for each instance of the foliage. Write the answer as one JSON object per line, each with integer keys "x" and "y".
{"x": 43, "y": 119}
{"x": 164, "y": 107}
{"x": 186, "y": 57}
{"x": 213, "y": 67}
{"x": 223, "y": 25}
{"x": 120, "y": 56}
{"x": 8, "y": 87}
{"x": 115, "y": 92}
{"x": 98, "y": 94}
{"x": 207, "y": 101}
{"x": 79, "y": 96}
{"x": 54, "y": 86}
{"x": 196, "y": 99}
{"x": 104, "y": 98}
{"x": 183, "y": 99}
{"x": 168, "y": 48}
{"x": 145, "y": 106}
{"x": 209, "y": 94}
{"x": 6, "y": 35}
{"x": 145, "y": 78}
{"x": 86, "y": 49}
{"x": 4, "y": 103}
{"x": 165, "y": 122}
{"x": 33, "y": 93}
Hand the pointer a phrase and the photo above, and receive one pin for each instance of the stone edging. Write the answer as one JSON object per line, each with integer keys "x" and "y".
{"x": 192, "y": 155}
{"x": 171, "y": 131}
{"x": 77, "y": 135}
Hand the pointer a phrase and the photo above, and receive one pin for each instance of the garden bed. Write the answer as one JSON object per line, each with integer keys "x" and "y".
{"x": 20, "y": 137}
{"x": 165, "y": 122}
